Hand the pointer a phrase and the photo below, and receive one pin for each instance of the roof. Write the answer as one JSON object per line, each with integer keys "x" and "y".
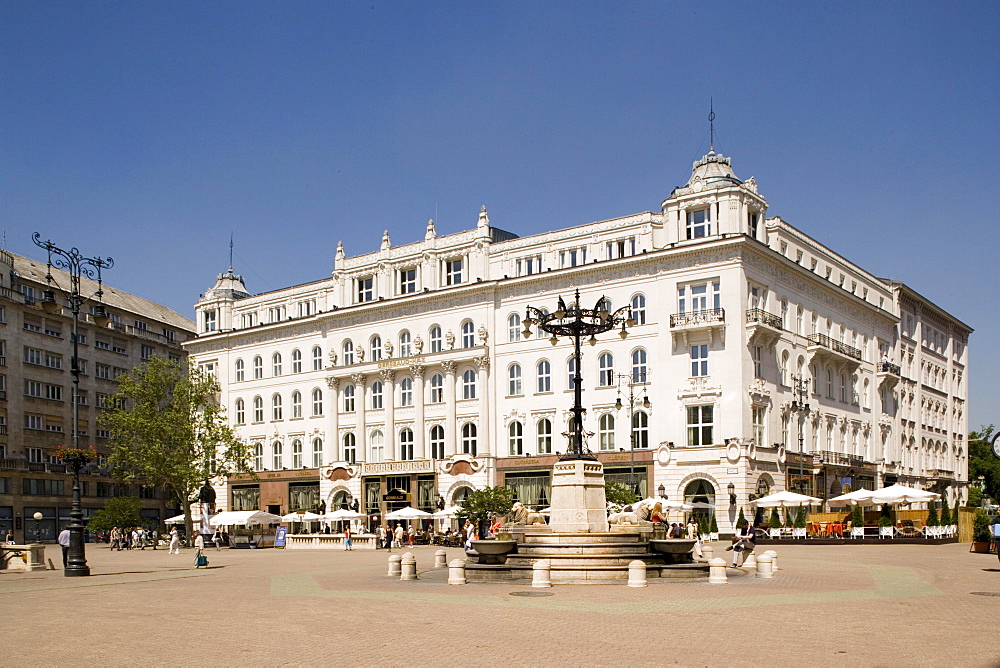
{"x": 114, "y": 298}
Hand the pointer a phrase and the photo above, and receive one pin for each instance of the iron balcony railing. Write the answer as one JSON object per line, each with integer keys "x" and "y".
{"x": 888, "y": 367}
{"x": 769, "y": 319}
{"x": 835, "y": 345}
{"x": 840, "y": 458}
{"x": 708, "y": 316}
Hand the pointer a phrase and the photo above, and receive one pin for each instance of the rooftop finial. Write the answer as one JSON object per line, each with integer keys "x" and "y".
{"x": 230, "y": 252}
{"x": 711, "y": 125}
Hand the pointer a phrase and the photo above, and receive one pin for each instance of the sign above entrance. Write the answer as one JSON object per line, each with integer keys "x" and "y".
{"x": 396, "y": 495}
{"x": 407, "y": 466}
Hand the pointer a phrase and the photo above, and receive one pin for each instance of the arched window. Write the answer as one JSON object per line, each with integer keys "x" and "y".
{"x": 405, "y": 344}
{"x": 639, "y": 365}
{"x": 317, "y": 358}
{"x": 276, "y": 364}
{"x": 829, "y": 383}
{"x": 406, "y": 444}
{"x": 377, "y": 395}
{"x": 544, "y": 376}
{"x": 514, "y": 328}
{"x": 297, "y": 454}
{"x": 515, "y": 438}
{"x": 276, "y": 456}
{"x": 571, "y": 373}
{"x": 435, "y": 339}
{"x": 239, "y": 371}
{"x": 258, "y": 368}
{"x": 258, "y": 457}
{"x": 469, "y": 439}
{"x": 604, "y": 304}
{"x": 799, "y": 321}
{"x": 406, "y": 392}
{"x": 606, "y": 362}
{"x": 348, "y": 353}
{"x": 349, "y": 398}
{"x": 538, "y": 328}
{"x": 437, "y": 388}
{"x": 317, "y": 459}
{"x": 350, "y": 453}
{"x": 296, "y": 361}
{"x": 276, "y": 407}
{"x": 544, "y": 437}
{"x": 639, "y": 309}
{"x": 241, "y": 415}
{"x": 258, "y": 409}
{"x": 606, "y": 429}
{"x": 784, "y": 314}
{"x": 468, "y": 334}
{"x": 376, "y": 348}
{"x": 296, "y": 404}
{"x": 640, "y": 429}
{"x": 469, "y": 384}
{"x": 784, "y": 368}
{"x": 377, "y": 445}
{"x": 843, "y": 388}
{"x": 437, "y": 442}
{"x": 514, "y": 380}
{"x": 317, "y": 402}
{"x": 701, "y": 494}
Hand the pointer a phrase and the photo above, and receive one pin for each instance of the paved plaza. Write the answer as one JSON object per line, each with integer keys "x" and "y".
{"x": 828, "y": 605}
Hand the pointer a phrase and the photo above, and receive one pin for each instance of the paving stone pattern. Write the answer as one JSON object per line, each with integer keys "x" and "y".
{"x": 832, "y": 605}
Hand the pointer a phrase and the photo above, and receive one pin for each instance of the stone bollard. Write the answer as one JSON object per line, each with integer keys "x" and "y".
{"x": 774, "y": 560}
{"x": 456, "y": 572}
{"x": 409, "y": 567}
{"x": 540, "y": 570}
{"x": 440, "y": 559}
{"x": 707, "y": 552}
{"x": 637, "y": 573}
{"x": 717, "y": 571}
{"x": 764, "y": 566}
{"x": 394, "y": 568}
{"x": 749, "y": 561}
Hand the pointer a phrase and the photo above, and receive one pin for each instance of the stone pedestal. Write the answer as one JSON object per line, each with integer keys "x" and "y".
{"x": 578, "y": 502}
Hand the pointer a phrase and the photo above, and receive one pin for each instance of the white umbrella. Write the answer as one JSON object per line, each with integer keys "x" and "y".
{"x": 342, "y": 515}
{"x": 244, "y": 518}
{"x": 785, "y": 499}
{"x": 300, "y": 517}
{"x": 862, "y": 496}
{"x": 545, "y": 511}
{"x": 407, "y": 513}
{"x": 450, "y": 511}
{"x": 676, "y": 505}
{"x": 897, "y": 494}
{"x": 177, "y": 519}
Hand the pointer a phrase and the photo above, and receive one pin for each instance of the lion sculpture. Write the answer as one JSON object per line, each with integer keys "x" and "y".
{"x": 642, "y": 513}
{"x": 521, "y": 515}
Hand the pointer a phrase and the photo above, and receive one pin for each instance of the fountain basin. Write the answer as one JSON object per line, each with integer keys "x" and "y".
{"x": 492, "y": 551}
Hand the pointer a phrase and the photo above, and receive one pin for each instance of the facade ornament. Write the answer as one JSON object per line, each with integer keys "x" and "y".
{"x": 431, "y": 232}
{"x": 387, "y": 375}
{"x": 360, "y": 353}
{"x": 418, "y": 344}
{"x": 417, "y": 370}
{"x": 340, "y": 251}
{"x": 387, "y": 347}
{"x": 333, "y": 358}
{"x": 385, "y": 241}
{"x": 358, "y": 379}
{"x": 483, "y": 334}
{"x": 449, "y": 367}
{"x": 449, "y": 339}
{"x": 483, "y": 363}
{"x": 332, "y": 382}
{"x": 484, "y": 219}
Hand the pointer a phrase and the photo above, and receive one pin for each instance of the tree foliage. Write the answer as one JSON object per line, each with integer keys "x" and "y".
{"x": 741, "y": 521}
{"x": 482, "y": 504}
{"x": 122, "y": 511}
{"x": 946, "y": 512}
{"x": 169, "y": 430}
{"x": 619, "y": 493}
{"x": 975, "y": 499}
{"x": 932, "y": 514}
{"x": 774, "y": 521}
{"x": 982, "y": 462}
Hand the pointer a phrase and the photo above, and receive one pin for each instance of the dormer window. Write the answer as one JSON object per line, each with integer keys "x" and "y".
{"x": 366, "y": 289}
{"x": 754, "y": 221}
{"x": 699, "y": 223}
{"x": 453, "y": 271}
{"x": 210, "y": 323}
{"x": 621, "y": 248}
{"x": 407, "y": 281}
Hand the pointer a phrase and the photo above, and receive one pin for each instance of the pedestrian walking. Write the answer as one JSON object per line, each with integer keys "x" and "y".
{"x": 64, "y": 544}
{"x": 348, "y": 545}
{"x": 175, "y": 541}
{"x": 156, "y": 538}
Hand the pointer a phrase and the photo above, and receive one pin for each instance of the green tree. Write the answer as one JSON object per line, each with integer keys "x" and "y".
{"x": 123, "y": 511}
{"x": 800, "y": 517}
{"x": 619, "y": 493}
{"x": 483, "y": 504}
{"x": 981, "y": 527}
{"x": 982, "y": 462}
{"x": 932, "y": 514}
{"x": 857, "y": 516}
{"x": 169, "y": 430}
{"x": 741, "y": 521}
{"x": 774, "y": 521}
{"x": 975, "y": 499}
{"x": 713, "y": 526}
{"x": 945, "y": 511}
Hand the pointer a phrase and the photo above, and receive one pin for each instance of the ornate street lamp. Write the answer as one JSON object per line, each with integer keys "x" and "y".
{"x": 77, "y": 266}
{"x": 577, "y": 322}
{"x": 731, "y": 488}
{"x": 800, "y": 407}
{"x": 38, "y": 524}
{"x": 634, "y": 401}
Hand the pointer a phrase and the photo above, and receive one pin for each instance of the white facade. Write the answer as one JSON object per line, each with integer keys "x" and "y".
{"x": 407, "y": 370}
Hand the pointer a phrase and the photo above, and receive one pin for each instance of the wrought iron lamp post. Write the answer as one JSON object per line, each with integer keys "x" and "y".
{"x": 78, "y": 267}
{"x": 634, "y": 400}
{"x": 577, "y": 322}
{"x": 38, "y": 526}
{"x": 799, "y": 405}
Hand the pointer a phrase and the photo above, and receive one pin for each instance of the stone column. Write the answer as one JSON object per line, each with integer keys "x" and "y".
{"x": 332, "y": 444}
{"x": 486, "y": 434}
{"x": 419, "y": 432}
{"x": 389, "y": 405}
{"x": 450, "y": 447}
{"x": 360, "y": 404}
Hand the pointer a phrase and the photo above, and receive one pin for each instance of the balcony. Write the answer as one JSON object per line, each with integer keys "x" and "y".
{"x": 826, "y": 350}
{"x": 762, "y": 328}
{"x": 11, "y": 464}
{"x": 148, "y": 335}
{"x": 942, "y": 475}
{"x": 887, "y": 374}
{"x": 710, "y": 321}
{"x": 840, "y": 459}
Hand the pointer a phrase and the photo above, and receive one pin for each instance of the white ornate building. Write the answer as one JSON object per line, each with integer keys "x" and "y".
{"x": 405, "y": 376}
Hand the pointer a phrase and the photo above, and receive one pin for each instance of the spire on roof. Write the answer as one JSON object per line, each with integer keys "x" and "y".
{"x": 385, "y": 241}
{"x": 431, "y": 231}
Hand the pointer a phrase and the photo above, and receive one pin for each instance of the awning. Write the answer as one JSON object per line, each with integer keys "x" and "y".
{"x": 243, "y": 518}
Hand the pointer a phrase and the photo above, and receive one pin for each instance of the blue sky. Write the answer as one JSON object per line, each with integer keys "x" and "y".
{"x": 151, "y": 131}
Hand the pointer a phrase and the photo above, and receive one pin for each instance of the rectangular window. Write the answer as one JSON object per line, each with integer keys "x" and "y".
{"x": 101, "y": 344}
{"x": 32, "y": 388}
{"x": 621, "y": 248}
{"x": 32, "y": 326}
{"x": 453, "y": 272}
{"x": 33, "y": 356}
{"x": 146, "y": 352}
{"x": 276, "y": 314}
{"x": 55, "y": 333}
{"x": 40, "y": 487}
{"x": 699, "y": 298}
{"x": 758, "y": 361}
{"x": 366, "y": 289}
{"x": 529, "y": 265}
{"x": 699, "y": 223}
{"x": 209, "y": 321}
{"x": 53, "y": 392}
{"x": 759, "y": 417}
{"x": 700, "y": 420}
{"x": 699, "y": 360}
{"x": 307, "y": 308}
{"x": 407, "y": 281}
{"x": 53, "y": 361}
{"x": 169, "y": 335}
{"x": 34, "y": 422}
{"x": 573, "y": 257}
